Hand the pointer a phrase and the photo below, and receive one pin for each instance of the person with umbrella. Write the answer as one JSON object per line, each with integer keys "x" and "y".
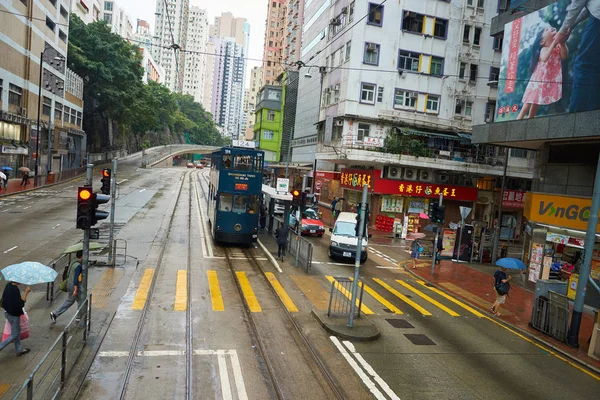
{"x": 73, "y": 292}
{"x": 13, "y": 304}
{"x": 25, "y": 180}
{"x": 415, "y": 250}
{"x": 6, "y": 169}
{"x": 3, "y": 178}
{"x": 501, "y": 287}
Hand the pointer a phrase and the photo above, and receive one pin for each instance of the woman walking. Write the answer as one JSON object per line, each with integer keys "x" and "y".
{"x": 502, "y": 287}
{"x": 13, "y": 304}
{"x": 415, "y": 251}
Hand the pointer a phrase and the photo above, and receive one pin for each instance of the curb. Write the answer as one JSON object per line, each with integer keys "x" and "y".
{"x": 369, "y": 336}
{"x": 521, "y": 331}
{"x": 269, "y": 256}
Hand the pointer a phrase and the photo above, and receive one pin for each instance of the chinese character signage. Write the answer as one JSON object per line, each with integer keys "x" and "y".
{"x": 513, "y": 199}
{"x": 544, "y": 58}
{"x": 356, "y": 178}
{"x": 424, "y": 189}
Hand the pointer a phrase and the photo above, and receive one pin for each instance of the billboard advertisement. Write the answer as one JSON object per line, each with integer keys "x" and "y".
{"x": 550, "y": 63}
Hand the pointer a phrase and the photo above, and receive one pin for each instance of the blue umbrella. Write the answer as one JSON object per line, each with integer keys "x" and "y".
{"x": 29, "y": 273}
{"x": 511, "y": 263}
{"x": 7, "y": 168}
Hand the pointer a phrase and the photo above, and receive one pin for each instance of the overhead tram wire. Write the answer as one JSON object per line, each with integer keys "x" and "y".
{"x": 173, "y": 46}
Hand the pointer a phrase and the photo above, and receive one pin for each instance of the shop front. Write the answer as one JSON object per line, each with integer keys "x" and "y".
{"x": 352, "y": 182}
{"x": 12, "y": 153}
{"x": 554, "y": 240}
{"x": 513, "y": 202}
{"x": 327, "y": 185}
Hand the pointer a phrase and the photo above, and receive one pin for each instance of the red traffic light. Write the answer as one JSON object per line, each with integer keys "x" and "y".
{"x": 106, "y": 172}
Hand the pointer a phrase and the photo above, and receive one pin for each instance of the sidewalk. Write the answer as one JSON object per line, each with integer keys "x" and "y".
{"x": 14, "y": 184}
{"x": 474, "y": 284}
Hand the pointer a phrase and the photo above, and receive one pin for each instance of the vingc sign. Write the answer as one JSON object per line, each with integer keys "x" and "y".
{"x": 563, "y": 211}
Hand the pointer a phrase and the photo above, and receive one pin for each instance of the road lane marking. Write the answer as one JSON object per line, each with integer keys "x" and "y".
{"x": 369, "y": 369}
{"x": 429, "y": 299}
{"x": 251, "y": 299}
{"x": 55, "y": 226}
{"x": 142, "y": 293}
{"x": 25, "y": 208}
{"x": 380, "y": 299}
{"x": 181, "y": 291}
{"x": 143, "y": 190}
{"x": 204, "y": 231}
{"x": 287, "y": 301}
{"x": 237, "y": 375}
{"x": 346, "y": 293}
{"x": 484, "y": 304}
{"x": 11, "y": 249}
{"x": 318, "y": 296}
{"x": 215, "y": 291}
{"x": 452, "y": 299}
{"x": 124, "y": 180}
{"x": 361, "y": 374}
{"x": 224, "y": 377}
{"x": 402, "y": 297}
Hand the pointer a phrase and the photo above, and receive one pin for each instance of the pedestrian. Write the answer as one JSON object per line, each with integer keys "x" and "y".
{"x": 25, "y": 180}
{"x": 13, "y": 304}
{"x": 415, "y": 251}
{"x": 6, "y": 172}
{"x": 315, "y": 200}
{"x": 263, "y": 216}
{"x": 501, "y": 287}
{"x": 438, "y": 250}
{"x": 73, "y": 291}
{"x": 282, "y": 241}
{"x": 333, "y": 203}
{"x": 338, "y": 207}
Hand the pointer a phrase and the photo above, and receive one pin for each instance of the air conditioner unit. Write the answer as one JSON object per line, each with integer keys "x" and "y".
{"x": 413, "y": 95}
{"x": 327, "y": 90}
{"x": 371, "y": 47}
{"x": 23, "y": 111}
{"x": 336, "y": 87}
{"x": 410, "y": 173}
{"x": 461, "y": 102}
{"x": 425, "y": 175}
{"x": 394, "y": 172}
{"x": 442, "y": 178}
{"x": 335, "y": 22}
{"x": 339, "y": 122}
{"x": 345, "y": 10}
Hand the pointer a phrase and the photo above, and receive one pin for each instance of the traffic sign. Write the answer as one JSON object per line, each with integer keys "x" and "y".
{"x": 283, "y": 185}
{"x": 318, "y": 185}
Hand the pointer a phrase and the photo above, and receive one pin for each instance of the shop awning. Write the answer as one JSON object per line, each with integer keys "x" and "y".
{"x": 406, "y": 131}
{"x": 465, "y": 137}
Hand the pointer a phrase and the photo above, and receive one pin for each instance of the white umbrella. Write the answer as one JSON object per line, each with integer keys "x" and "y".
{"x": 2, "y": 176}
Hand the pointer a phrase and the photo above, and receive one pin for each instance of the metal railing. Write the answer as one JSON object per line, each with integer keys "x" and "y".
{"x": 59, "y": 264}
{"x": 48, "y": 377}
{"x": 551, "y": 316}
{"x": 299, "y": 245}
{"x": 339, "y": 298}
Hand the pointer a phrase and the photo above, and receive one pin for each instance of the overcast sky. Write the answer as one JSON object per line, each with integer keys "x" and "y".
{"x": 255, "y": 11}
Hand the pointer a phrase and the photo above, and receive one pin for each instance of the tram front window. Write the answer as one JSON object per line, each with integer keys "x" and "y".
{"x": 258, "y": 163}
{"x": 242, "y": 163}
{"x": 226, "y": 161}
{"x": 239, "y": 204}
{"x": 252, "y": 204}
{"x": 225, "y": 202}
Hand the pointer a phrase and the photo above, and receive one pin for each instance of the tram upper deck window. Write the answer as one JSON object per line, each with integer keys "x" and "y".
{"x": 252, "y": 204}
{"x": 258, "y": 163}
{"x": 242, "y": 162}
{"x": 226, "y": 161}
{"x": 225, "y": 202}
{"x": 239, "y": 204}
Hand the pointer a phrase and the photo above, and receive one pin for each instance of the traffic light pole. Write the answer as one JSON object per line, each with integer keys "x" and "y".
{"x": 437, "y": 235}
{"x": 86, "y": 242}
{"x": 363, "y": 208}
{"x": 299, "y": 220}
{"x": 113, "y": 195}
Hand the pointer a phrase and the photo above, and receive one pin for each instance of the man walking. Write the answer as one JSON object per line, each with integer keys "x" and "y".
{"x": 13, "y": 304}
{"x": 73, "y": 292}
{"x": 282, "y": 241}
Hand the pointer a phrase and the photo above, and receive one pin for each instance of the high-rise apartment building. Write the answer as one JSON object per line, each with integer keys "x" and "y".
{"x": 292, "y": 31}
{"x": 170, "y": 30}
{"x": 117, "y": 19}
{"x": 250, "y": 97}
{"x": 87, "y": 10}
{"x": 274, "y": 38}
{"x": 195, "y": 57}
{"x": 143, "y": 39}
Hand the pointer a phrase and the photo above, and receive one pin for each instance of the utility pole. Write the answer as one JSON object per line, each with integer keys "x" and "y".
{"x": 437, "y": 235}
{"x": 113, "y": 194}
{"x": 361, "y": 230}
{"x": 499, "y": 229}
{"x": 584, "y": 269}
{"x": 86, "y": 241}
{"x": 299, "y": 220}
{"x": 287, "y": 161}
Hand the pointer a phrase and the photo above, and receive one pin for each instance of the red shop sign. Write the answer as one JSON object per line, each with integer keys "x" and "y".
{"x": 513, "y": 199}
{"x": 328, "y": 175}
{"x": 424, "y": 189}
{"x": 356, "y": 178}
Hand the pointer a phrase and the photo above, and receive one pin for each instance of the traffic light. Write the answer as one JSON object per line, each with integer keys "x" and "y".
{"x": 302, "y": 202}
{"x": 297, "y": 200}
{"x": 438, "y": 213}
{"x": 105, "y": 181}
{"x": 85, "y": 200}
{"x": 96, "y": 214}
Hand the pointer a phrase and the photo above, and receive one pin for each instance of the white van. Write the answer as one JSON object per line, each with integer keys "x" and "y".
{"x": 343, "y": 238}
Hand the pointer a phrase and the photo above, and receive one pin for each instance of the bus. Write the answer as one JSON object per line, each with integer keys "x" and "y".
{"x": 235, "y": 194}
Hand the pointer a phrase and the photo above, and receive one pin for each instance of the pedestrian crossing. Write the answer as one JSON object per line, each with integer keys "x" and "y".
{"x": 381, "y": 296}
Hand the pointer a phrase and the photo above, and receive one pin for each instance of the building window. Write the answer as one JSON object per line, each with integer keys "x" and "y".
{"x": 433, "y": 103}
{"x": 73, "y": 116}
{"x": 490, "y": 111}
{"x": 462, "y": 70}
{"x": 15, "y": 95}
{"x": 371, "y": 54}
{"x": 348, "y": 49}
{"x": 108, "y": 6}
{"x": 58, "y": 109}
{"x": 47, "y": 107}
{"x": 66, "y": 114}
{"x": 367, "y": 93}
{"x": 459, "y": 106}
{"x": 108, "y": 18}
{"x": 351, "y": 12}
{"x": 473, "y": 73}
{"x": 64, "y": 12}
{"x": 498, "y": 42}
{"x": 437, "y": 66}
{"x": 53, "y": 2}
{"x": 62, "y": 36}
{"x": 270, "y": 115}
{"x": 440, "y": 30}
{"x": 408, "y": 61}
{"x": 363, "y": 131}
{"x": 470, "y": 3}
{"x": 403, "y": 98}
{"x": 466, "y": 33}
{"x": 341, "y": 51}
{"x": 50, "y": 24}
{"x": 412, "y": 22}
{"x": 268, "y": 135}
{"x": 468, "y": 109}
{"x": 521, "y": 153}
{"x": 479, "y": 3}
{"x": 477, "y": 37}
{"x": 380, "y": 94}
{"x": 79, "y": 117}
{"x": 494, "y": 74}
{"x": 1, "y": 81}
{"x": 375, "y": 14}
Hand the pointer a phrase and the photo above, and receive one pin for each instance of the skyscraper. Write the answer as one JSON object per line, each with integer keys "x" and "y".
{"x": 171, "y": 29}
{"x": 250, "y": 101}
{"x": 273, "y": 46}
{"x": 195, "y": 57}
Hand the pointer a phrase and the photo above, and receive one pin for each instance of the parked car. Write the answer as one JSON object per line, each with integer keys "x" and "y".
{"x": 311, "y": 223}
{"x": 190, "y": 165}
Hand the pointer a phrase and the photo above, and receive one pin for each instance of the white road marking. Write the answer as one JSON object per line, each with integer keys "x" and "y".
{"x": 25, "y": 208}
{"x": 237, "y": 376}
{"x": 383, "y": 384}
{"x": 11, "y": 249}
{"x": 143, "y": 190}
{"x": 224, "y": 377}
{"x": 55, "y": 226}
{"x": 121, "y": 181}
{"x": 366, "y": 380}
{"x": 207, "y": 248}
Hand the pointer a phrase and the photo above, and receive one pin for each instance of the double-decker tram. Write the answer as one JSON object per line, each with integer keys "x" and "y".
{"x": 234, "y": 194}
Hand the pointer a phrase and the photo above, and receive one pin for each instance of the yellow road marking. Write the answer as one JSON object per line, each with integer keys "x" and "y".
{"x": 485, "y": 304}
{"x": 215, "y": 291}
{"x": 313, "y": 291}
{"x": 452, "y": 299}
{"x": 402, "y": 297}
{"x": 380, "y": 299}
{"x": 4, "y": 388}
{"x": 429, "y": 299}
{"x": 287, "y": 301}
{"x": 142, "y": 293}
{"x": 248, "y": 292}
{"x": 346, "y": 293}
{"x": 181, "y": 291}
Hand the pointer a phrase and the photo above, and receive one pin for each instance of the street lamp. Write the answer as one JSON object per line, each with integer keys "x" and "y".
{"x": 37, "y": 141}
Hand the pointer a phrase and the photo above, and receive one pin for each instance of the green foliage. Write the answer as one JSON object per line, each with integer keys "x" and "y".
{"x": 147, "y": 115}
{"x": 395, "y": 143}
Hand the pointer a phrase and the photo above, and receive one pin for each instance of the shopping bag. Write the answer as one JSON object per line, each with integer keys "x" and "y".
{"x": 24, "y": 326}
{"x": 7, "y": 331}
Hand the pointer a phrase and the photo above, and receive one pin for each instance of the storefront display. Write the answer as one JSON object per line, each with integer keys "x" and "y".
{"x": 448, "y": 241}
{"x": 537, "y": 254}
{"x": 391, "y": 204}
{"x": 413, "y": 223}
{"x": 327, "y": 185}
{"x": 466, "y": 241}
